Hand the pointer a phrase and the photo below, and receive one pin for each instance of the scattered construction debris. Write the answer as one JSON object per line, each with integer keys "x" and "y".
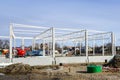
{"x": 114, "y": 62}
{"x": 113, "y": 65}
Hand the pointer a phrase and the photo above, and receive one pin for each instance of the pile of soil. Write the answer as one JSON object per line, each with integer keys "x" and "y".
{"x": 114, "y": 62}
{"x": 17, "y": 68}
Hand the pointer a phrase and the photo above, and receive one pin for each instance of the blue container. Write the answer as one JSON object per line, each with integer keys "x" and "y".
{"x": 37, "y": 52}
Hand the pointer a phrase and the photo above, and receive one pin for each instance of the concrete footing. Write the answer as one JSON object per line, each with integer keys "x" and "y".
{"x": 40, "y": 60}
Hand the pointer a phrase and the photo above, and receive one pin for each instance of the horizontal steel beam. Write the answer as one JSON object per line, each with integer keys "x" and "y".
{"x": 43, "y": 32}
{"x": 95, "y": 31}
{"x": 100, "y": 34}
{"x": 4, "y": 36}
{"x": 28, "y": 26}
{"x": 68, "y": 29}
{"x": 71, "y": 33}
{"x": 25, "y": 31}
{"x": 24, "y": 37}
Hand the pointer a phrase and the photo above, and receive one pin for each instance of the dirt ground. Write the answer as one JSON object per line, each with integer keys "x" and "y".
{"x": 66, "y": 72}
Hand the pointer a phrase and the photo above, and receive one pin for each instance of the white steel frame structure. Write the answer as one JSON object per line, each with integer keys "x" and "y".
{"x": 15, "y": 29}
{"x": 20, "y": 31}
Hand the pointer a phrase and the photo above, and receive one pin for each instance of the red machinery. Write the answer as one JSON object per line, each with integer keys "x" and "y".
{"x": 21, "y": 53}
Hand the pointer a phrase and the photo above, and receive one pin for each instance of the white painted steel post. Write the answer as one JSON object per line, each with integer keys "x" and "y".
{"x": 103, "y": 51}
{"x": 75, "y": 47}
{"x": 62, "y": 47}
{"x": 93, "y": 46}
{"x": 33, "y": 44}
{"x": 80, "y": 48}
{"x": 53, "y": 41}
{"x": 113, "y": 44}
{"x": 43, "y": 47}
{"x": 14, "y": 46}
{"x": 10, "y": 55}
{"x": 53, "y": 44}
{"x": 86, "y": 45}
{"x": 39, "y": 44}
{"x": 48, "y": 48}
{"x": 23, "y": 44}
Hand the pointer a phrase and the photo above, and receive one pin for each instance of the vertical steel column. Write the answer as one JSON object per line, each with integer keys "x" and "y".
{"x": 80, "y": 48}
{"x": 39, "y": 44}
{"x": 75, "y": 47}
{"x": 103, "y": 51}
{"x": 62, "y": 47}
{"x": 33, "y": 44}
{"x": 11, "y": 35}
{"x": 53, "y": 45}
{"x": 23, "y": 44}
{"x": 14, "y": 46}
{"x": 113, "y": 43}
{"x": 86, "y": 43}
{"x": 53, "y": 41}
{"x": 48, "y": 48}
{"x": 93, "y": 46}
{"x": 43, "y": 47}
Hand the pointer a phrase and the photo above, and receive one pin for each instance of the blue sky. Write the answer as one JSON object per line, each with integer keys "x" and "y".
{"x": 88, "y": 14}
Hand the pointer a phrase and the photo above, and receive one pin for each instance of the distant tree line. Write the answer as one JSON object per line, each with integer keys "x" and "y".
{"x": 4, "y": 44}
